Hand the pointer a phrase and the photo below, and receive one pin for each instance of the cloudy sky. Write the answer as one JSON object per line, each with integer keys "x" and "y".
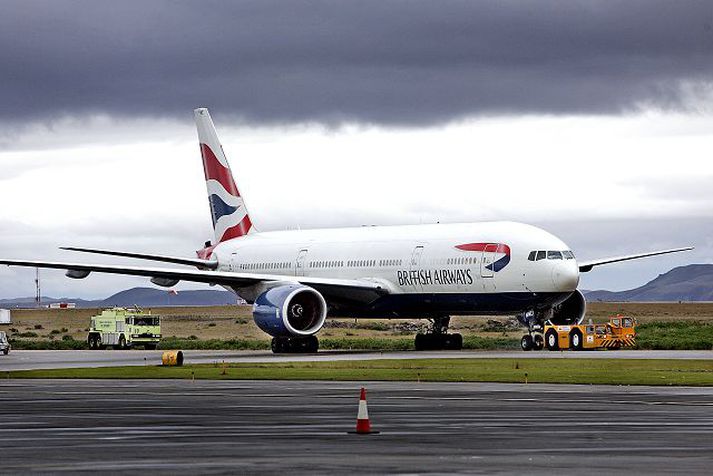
{"x": 591, "y": 119}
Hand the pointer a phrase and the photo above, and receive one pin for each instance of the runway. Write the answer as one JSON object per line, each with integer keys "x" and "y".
{"x": 49, "y": 359}
{"x": 301, "y": 427}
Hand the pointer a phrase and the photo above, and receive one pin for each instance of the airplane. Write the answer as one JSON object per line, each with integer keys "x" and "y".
{"x": 295, "y": 279}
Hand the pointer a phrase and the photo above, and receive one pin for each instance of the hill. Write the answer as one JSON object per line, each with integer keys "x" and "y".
{"x": 142, "y": 297}
{"x": 685, "y": 283}
{"x": 151, "y": 297}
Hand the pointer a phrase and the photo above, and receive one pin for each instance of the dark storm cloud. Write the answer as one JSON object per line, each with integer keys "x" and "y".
{"x": 397, "y": 62}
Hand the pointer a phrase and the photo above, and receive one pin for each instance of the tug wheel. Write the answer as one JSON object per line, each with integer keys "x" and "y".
{"x": 575, "y": 340}
{"x": 551, "y": 340}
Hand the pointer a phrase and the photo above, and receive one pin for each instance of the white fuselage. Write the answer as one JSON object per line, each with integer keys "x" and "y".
{"x": 462, "y": 268}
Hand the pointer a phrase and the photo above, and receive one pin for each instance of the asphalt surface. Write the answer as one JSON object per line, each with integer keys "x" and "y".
{"x": 50, "y": 359}
{"x": 183, "y": 427}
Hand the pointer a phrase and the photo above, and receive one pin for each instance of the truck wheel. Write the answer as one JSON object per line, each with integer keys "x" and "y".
{"x": 6, "y": 351}
{"x": 122, "y": 342}
{"x": 575, "y": 340}
{"x": 551, "y": 340}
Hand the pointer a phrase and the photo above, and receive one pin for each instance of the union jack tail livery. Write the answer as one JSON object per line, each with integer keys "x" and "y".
{"x": 227, "y": 208}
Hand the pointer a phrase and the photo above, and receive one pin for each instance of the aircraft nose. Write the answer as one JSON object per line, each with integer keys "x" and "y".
{"x": 565, "y": 275}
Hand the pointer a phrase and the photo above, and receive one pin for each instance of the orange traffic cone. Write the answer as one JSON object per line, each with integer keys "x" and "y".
{"x": 363, "y": 425}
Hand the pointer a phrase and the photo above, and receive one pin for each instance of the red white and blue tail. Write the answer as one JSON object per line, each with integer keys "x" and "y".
{"x": 227, "y": 208}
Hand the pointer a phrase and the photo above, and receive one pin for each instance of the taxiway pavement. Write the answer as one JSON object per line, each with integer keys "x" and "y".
{"x": 52, "y": 359}
{"x": 247, "y": 427}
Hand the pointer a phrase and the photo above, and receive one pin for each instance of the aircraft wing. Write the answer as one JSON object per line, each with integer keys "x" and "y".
{"x": 587, "y": 266}
{"x": 200, "y": 263}
{"x": 224, "y": 278}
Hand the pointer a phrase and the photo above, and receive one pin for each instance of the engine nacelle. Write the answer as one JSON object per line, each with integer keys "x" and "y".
{"x": 290, "y": 310}
{"x": 571, "y": 311}
{"x": 165, "y": 282}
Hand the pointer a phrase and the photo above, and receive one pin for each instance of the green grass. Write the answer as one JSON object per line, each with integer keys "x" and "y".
{"x": 577, "y": 371}
{"x": 655, "y": 335}
{"x": 679, "y": 335}
{"x": 327, "y": 343}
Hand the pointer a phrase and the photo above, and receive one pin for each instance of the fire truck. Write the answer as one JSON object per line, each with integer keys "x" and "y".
{"x": 4, "y": 344}
{"x": 123, "y": 328}
{"x": 618, "y": 333}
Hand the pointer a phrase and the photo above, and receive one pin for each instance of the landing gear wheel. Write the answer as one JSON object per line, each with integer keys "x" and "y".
{"x": 551, "y": 340}
{"x": 538, "y": 342}
{"x": 438, "y": 338}
{"x": 456, "y": 342}
{"x": 527, "y": 342}
{"x": 277, "y": 345}
{"x": 295, "y": 345}
{"x": 422, "y": 342}
{"x": 438, "y": 342}
{"x": 575, "y": 340}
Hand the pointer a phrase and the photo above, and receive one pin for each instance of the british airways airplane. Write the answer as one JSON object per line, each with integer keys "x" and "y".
{"x": 295, "y": 279}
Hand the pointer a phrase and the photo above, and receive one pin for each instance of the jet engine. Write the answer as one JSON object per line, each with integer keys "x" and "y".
{"x": 570, "y": 311}
{"x": 290, "y": 310}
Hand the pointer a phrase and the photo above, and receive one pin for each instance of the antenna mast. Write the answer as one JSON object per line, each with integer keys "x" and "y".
{"x": 38, "y": 292}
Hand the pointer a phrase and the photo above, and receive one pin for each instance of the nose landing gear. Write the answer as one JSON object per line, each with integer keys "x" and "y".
{"x": 532, "y": 342}
{"x": 438, "y": 338}
{"x": 535, "y": 323}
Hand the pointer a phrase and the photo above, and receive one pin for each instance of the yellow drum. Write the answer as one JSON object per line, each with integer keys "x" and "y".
{"x": 172, "y": 358}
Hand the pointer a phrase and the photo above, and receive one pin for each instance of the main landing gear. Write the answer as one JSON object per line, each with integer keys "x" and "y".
{"x": 437, "y": 337}
{"x": 295, "y": 345}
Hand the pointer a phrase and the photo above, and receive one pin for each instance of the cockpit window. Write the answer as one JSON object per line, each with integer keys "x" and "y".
{"x": 554, "y": 255}
{"x": 531, "y": 257}
{"x": 568, "y": 254}
{"x": 541, "y": 255}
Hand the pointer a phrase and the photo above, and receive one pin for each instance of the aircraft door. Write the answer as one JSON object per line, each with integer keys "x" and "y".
{"x": 486, "y": 264}
{"x": 300, "y": 263}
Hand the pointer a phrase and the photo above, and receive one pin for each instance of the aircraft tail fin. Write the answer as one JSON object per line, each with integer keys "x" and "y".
{"x": 227, "y": 208}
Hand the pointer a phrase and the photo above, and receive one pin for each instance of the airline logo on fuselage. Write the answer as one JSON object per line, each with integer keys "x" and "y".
{"x": 500, "y": 253}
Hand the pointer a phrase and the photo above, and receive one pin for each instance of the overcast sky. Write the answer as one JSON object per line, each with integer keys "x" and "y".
{"x": 592, "y": 119}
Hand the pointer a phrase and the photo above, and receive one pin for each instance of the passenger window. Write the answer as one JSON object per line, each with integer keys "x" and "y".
{"x": 541, "y": 255}
{"x": 554, "y": 255}
{"x": 532, "y": 255}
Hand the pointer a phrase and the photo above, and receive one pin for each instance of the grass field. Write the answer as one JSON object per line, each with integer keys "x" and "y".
{"x": 579, "y": 371}
{"x": 662, "y": 326}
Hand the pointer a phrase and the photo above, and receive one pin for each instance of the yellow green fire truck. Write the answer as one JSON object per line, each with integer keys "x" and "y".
{"x": 123, "y": 328}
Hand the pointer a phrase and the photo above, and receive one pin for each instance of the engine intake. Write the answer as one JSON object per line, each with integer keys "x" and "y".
{"x": 571, "y": 311}
{"x": 290, "y": 310}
